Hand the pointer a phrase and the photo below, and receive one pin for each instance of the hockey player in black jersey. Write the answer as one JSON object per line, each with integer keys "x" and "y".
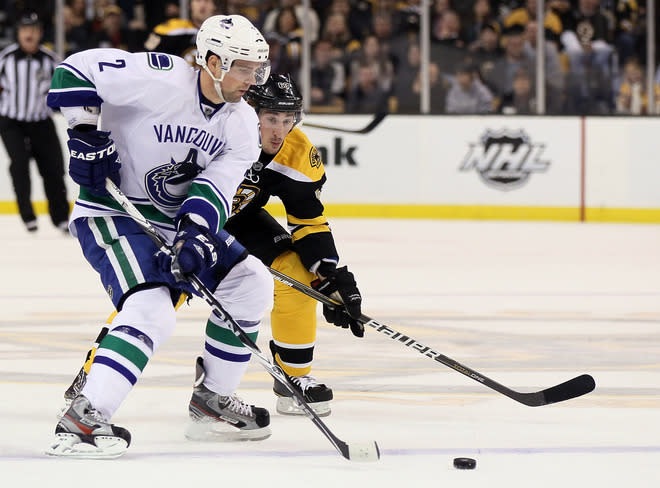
{"x": 290, "y": 168}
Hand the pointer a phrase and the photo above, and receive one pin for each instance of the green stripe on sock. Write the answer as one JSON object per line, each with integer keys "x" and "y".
{"x": 125, "y": 349}
{"x": 226, "y": 336}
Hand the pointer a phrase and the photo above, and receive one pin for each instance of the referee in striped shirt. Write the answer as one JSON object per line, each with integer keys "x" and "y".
{"x": 26, "y": 127}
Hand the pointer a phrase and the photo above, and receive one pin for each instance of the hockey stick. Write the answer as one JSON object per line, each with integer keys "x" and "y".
{"x": 572, "y": 388}
{"x": 378, "y": 118}
{"x": 354, "y": 452}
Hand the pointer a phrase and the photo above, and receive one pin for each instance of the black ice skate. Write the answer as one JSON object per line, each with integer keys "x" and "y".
{"x": 83, "y": 432}
{"x": 223, "y": 418}
{"x": 316, "y": 394}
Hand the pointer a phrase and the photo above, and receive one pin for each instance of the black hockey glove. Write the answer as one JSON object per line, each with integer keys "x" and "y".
{"x": 339, "y": 284}
{"x": 92, "y": 158}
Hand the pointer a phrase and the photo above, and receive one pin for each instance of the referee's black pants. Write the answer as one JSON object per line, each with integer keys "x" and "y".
{"x": 39, "y": 140}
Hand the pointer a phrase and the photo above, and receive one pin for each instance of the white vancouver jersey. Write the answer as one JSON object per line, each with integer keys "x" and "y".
{"x": 174, "y": 158}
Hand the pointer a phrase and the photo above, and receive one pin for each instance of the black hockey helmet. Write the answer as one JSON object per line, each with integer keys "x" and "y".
{"x": 279, "y": 94}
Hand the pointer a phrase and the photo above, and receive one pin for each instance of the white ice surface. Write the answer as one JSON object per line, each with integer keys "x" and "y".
{"x": 527, "y": 304}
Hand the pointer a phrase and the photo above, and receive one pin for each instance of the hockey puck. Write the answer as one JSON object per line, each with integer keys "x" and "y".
{"x": 465, "y": 463}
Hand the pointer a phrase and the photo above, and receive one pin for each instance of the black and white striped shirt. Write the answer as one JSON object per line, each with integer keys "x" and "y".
{"x": 24, "y": 81}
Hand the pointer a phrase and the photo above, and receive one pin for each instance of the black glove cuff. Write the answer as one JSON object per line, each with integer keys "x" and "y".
{"x": 326, "y": 269}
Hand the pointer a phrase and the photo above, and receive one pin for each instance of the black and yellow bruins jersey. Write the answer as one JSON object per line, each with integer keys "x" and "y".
{"x": 175, "y": 36}
{"x": 295, "y": 175}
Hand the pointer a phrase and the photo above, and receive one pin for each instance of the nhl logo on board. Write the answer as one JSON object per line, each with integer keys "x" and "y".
{"x": 505, "y": 159}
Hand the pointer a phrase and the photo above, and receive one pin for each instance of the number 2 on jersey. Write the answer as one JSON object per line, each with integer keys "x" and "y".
{"x": 119, "y": 63}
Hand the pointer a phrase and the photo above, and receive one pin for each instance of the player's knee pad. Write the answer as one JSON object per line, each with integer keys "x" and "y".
{"x": 149, "y": 312}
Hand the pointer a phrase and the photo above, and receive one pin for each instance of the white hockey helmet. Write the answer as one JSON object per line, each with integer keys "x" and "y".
{"x": 232, "y": 37}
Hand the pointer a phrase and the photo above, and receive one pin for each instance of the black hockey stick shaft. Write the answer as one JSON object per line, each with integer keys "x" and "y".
{"x": 356, "y": 452}
{"x": 572, "y": 388}
{"x": 378, "y": 118}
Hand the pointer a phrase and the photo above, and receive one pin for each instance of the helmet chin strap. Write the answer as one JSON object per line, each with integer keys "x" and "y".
{"x": 216, "y": 83}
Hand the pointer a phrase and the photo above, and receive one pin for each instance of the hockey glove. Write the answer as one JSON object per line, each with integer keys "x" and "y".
{"x": 195, "y": 250}
{"x": 339, "y": 284}
{"x": 93, "y": 158}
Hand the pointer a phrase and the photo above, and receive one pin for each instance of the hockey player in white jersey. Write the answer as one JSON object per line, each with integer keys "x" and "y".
{"x": 178, "y": 143}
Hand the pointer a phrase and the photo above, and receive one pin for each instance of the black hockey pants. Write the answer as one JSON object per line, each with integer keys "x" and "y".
{"x": 39, "y": 140}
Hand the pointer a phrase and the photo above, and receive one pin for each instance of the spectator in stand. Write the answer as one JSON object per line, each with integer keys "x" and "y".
{"x": 370, "y": 53}
{"x": 98, "y": 13}
{"x": 288, "y": 27}
{"x": 500, "y": 78}
{"x": 280, "y": 62}
{"x": 632, "y": 98}
{"x": 409, "y": 101}
{"x": 77, "y": 30}
{"x": 248, "y": 9}
{"x": 467, "y": 94}
{"x": 382, "y": 28}
{"x": 521, "y": 100}
{"x": 439, "y": 7}
{"x": 357, "y": 12}
{"x": 554, "y": 76}
{"x": 628, "y": 30}
{"x": 177, "y": 36}
{"x": 366, "y": 96}
{"x": 447, "y": 46}
{"x": 112, "y": 33}
{"x": 408, "y": 13}
{"x": 486, "y": 50}
{"x": 589, "y": 91}
{"x": 521, "y": 16}
{"x": 79, "y": 11}
{"x": 133, "y": 27}
{"x": 587, "y": 38}
{"x": 480, "y": 16}
{"x": 309, "y": 19}
{"x": 328, "y": 77}
{"x": 335, "y": 31}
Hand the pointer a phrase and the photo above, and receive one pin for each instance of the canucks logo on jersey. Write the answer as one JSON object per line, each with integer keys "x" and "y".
{"x": 168, "y": 184}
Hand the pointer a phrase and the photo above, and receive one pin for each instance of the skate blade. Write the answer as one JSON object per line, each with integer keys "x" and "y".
{"x": 70, "y": 445}
{"x": 289, "y": 406}
{"x": 213, "y": 431}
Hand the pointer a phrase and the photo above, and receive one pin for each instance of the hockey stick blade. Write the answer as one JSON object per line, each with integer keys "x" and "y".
{"x": 360, "y": 452}
{"x": 378, "y": 118}
{"x": 573, "y": 388}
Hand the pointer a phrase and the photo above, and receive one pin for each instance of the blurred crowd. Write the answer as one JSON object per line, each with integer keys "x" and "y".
{"x": 366, "y": 53}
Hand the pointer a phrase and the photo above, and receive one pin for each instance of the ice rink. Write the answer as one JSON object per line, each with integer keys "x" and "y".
{"x": 529, "y": 305}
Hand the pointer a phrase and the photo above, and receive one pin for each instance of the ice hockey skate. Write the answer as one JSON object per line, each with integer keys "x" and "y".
{"x": 316, "y": 394}
{"x": 221, "y": 418}
{"x": 84, "y": 433}
{"x": 74, "y": 389}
